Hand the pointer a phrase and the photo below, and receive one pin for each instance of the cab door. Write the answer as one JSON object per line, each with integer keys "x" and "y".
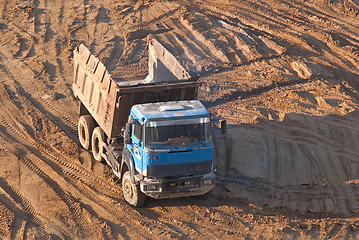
{"x": 137, "y": 145}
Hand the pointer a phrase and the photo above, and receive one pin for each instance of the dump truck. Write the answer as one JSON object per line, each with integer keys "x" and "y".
{"x": 152, "y": 132}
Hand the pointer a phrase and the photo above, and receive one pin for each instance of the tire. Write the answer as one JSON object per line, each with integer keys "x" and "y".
{"x": 84, "y": 129}
{"x": 98, "y": 136}
{"x": 131, "y": 192}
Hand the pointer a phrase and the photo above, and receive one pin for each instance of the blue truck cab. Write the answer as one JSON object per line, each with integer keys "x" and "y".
{"x": 172, "y": 148}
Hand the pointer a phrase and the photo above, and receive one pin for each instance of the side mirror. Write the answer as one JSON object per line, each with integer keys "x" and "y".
{"x": 223, "y": 126}
{"x": 128, "y": 133}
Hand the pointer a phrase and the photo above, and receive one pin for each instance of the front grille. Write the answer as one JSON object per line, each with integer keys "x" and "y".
{"x": 179, "y": 169}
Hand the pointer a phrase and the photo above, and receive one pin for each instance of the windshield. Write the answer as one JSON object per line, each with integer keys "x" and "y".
{"x": 176, "y": 133}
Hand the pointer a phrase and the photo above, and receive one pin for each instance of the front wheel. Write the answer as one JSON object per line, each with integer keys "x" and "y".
{"x": 132, "y": 192}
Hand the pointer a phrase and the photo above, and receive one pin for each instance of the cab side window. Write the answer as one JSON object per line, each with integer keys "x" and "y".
{"x": 138, "y": 130}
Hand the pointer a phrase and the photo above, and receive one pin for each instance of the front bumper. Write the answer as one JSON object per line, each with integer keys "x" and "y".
{"x": 178, "y": 187}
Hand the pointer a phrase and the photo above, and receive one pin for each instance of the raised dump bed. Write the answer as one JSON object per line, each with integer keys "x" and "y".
{"x": 109, "y": 100}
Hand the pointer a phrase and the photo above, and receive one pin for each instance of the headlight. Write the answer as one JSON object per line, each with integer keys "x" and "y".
{"x": 208, "y": 181}
{"x": 152, "y": 187}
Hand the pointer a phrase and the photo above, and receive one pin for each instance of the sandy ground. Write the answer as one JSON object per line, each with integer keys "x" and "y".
{"x": 284, "y": 74}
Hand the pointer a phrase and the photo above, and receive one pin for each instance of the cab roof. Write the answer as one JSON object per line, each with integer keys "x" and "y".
{"x": 169, "y": 110}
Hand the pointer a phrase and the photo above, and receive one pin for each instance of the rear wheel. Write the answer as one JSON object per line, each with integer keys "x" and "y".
{"x": 98, "y": 136}
{"x": 132, "y": 192}
{"x": 85, "y": 128}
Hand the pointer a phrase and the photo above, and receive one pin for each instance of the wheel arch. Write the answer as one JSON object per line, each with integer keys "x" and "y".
{"x": 127, "y": 164}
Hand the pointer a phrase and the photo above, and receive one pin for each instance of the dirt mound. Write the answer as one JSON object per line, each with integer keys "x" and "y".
{"x": 284, "y": 74}
{"x": 347, "y": 8}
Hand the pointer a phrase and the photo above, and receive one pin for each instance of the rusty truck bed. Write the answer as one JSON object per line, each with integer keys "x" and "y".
{"x": 109, "y": 101}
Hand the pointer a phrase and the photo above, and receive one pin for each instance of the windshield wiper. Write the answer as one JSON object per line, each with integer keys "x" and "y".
{"x": 169, "y": 142}
{"x": 173, "y": 145}
{"x": 202, "y": 143}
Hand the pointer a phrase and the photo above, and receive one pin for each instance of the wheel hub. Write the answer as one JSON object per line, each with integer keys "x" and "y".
{"x": 128, "y": 189}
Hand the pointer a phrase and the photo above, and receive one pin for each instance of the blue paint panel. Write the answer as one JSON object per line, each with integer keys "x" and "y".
{"x": 178, "y": 156}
